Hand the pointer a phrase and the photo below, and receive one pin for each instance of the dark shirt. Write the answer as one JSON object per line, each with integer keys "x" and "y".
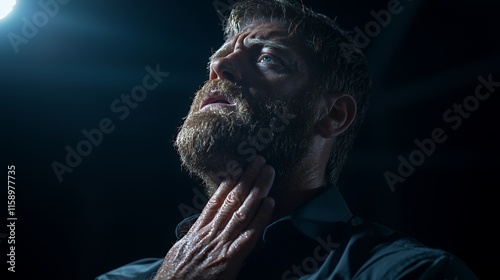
{"x": 323, "y": 240}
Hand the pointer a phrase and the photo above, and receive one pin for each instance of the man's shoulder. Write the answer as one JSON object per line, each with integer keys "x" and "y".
{"x": 383, "y": 253}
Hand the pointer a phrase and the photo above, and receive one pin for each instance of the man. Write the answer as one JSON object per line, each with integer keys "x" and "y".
{"x": 268, "y": 134}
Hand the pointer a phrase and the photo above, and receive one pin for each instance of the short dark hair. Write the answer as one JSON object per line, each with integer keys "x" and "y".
{"x": 342, "y": 65}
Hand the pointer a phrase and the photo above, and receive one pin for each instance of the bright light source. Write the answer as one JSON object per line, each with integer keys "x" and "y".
{"x": 6, "y": 7}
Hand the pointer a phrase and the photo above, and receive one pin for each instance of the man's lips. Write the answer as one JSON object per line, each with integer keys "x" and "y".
{"x": 216, "y": 98}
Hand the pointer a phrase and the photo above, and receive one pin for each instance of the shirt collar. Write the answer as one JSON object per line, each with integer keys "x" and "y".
{"x": 316, "y": 217}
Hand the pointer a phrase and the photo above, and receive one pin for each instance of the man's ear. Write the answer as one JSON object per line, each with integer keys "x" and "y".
{"x": 337, "y": 113}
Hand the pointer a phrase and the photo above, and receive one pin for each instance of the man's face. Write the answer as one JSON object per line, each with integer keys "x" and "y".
{"x": 258, "y": 100}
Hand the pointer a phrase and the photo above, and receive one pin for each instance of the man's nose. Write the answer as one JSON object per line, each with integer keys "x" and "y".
{"x": 225, "y": 68}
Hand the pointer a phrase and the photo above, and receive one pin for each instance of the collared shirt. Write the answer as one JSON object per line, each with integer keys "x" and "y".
{"x": 323, "y": 240}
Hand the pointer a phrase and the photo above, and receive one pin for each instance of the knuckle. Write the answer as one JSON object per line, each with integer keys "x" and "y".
{"x": 245, "y": 236}
{"x": 214, "y": 202}
{"x": 233, "y": 200}
{"x": 240, "y": 216}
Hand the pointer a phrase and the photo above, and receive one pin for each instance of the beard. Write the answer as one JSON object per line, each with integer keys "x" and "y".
{"x": 221, "y": 141}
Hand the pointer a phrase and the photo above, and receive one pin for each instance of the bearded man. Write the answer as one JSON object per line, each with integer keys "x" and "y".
{"x": 268, "y": 134}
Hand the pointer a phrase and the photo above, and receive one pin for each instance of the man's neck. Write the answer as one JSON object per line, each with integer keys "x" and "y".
{"x": 293, "y": 191}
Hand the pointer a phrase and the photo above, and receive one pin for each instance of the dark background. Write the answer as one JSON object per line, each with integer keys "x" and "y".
{"x": 121, "y": 203}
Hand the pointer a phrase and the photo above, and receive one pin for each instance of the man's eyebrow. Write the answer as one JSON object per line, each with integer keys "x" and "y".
{"x": 249, "y": 42}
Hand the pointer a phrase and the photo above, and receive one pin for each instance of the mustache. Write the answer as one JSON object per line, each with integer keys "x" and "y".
{"x": 225, "y": 87}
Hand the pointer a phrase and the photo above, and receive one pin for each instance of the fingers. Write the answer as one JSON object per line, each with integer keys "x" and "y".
{"x": 236, "y": 197}
{"x": 247, "y": 240}
{"x": 228, "y": 197}
{"x": 214, "y": 203}
{"x": 246, "y": 213}
{"x": 228, "y": 228}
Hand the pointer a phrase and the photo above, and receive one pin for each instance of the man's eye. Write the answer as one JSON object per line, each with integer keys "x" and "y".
{"x": 268, "y": 59}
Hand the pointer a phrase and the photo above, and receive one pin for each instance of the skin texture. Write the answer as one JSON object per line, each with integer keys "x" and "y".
{"x": 227, "y": 230}
{"x": 267, "y": 78}
{"x": 232, "y": 222}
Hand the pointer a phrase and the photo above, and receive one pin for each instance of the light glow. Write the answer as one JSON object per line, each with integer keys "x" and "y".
{"x": 6, "y": 7}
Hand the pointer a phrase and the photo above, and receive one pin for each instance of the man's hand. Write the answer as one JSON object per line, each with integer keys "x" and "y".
{"x": 227, "y": 230}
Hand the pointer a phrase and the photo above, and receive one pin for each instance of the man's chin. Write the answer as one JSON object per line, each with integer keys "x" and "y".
{"x": 212, "y": 170}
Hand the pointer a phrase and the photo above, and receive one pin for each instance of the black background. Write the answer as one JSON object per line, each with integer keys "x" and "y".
{"x": 121, "y": 203}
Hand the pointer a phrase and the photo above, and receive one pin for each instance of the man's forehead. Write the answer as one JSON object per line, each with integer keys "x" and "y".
{"x": 276, "y": 31}
{"x": 272, "y": 34}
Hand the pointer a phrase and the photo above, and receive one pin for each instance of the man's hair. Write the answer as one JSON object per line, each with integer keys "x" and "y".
{"x": 342, "y": 66}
